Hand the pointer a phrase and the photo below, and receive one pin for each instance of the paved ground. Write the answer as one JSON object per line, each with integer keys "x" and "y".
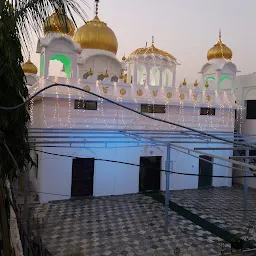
{"x": 133, "y": 224}
{"x": 122, "y": 225}
{"x": 221, "y": 206}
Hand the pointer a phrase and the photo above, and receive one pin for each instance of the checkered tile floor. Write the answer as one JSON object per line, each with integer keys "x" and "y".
{"x": 122, "y": 225}
{"x": 221, "y": 206}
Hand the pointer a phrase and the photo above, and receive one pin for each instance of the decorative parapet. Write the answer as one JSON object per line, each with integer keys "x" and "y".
{"x": 138, "y": 93}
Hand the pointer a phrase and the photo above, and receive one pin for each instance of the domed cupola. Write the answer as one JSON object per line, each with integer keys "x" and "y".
{"x": 219, "y": 51}
{"x": 29, "y": 68}
{"x": 95, "y": 34}
{"x": 58, "y": 22}
{"x": 151, "y": 50}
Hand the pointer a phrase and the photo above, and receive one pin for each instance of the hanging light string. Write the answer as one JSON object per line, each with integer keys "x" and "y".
{"x": 221, "y": 46}
{"x": 119, "y": 99}
{"x": 181, "y": 118}
{"x": 130, "y": 109}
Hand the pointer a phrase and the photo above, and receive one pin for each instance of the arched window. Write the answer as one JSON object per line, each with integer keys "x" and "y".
{"x": 86, "y": 75}
{"x": 65, "y": 61}
{"x": 141, "y": 75}
{"x": 114, "y": 79}
{"x": 167, "y": 77}
{"x": 225, "y": 82}
{"x": 101, "y": 77}
{"x": 154, "y": 76}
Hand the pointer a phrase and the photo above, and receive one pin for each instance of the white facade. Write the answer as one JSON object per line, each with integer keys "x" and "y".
{"x": 139, "y": 79}
{"x": 245, "y": 89}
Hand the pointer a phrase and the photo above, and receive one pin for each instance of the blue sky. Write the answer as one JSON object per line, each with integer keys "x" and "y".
{"x": 185, "y": 28}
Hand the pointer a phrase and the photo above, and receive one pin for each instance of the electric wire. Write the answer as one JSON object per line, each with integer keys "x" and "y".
{"x": 130, "y": 109}
{"x": 57, "y": 194}
{"x": 143, "y": 166}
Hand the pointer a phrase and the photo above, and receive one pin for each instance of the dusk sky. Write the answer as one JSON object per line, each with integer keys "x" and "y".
{"x": 185, "y": 28}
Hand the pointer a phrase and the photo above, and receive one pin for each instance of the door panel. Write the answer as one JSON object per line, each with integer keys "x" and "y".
{"x": 150, "y": 174}
{"x": 205, "y": 168}
{"x": 82, "y": 177}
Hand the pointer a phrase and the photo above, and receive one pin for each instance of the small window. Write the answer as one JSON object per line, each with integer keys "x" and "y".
{"x": 250, "y": 111}
{"x": 147, "y": 108}
{"x": 83, "y": 104}
{"x": 207, "y": 111}
{"x": 79, "y": 104}
{"x": 252, "y": 153}
{"x": 91, "y": 105}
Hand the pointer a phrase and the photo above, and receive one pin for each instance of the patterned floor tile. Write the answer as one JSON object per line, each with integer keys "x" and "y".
{"x": 122, "y": 225}
{"x": 221, "y": 206}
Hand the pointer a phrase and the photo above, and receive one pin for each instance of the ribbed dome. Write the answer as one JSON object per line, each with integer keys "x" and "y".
{"x": 219, "y": 51}
{"x": 29, "y": 67}
{"x": 152, "y": 50}
{"x": 95, "y": 34}
{"x": 59, "y": 23}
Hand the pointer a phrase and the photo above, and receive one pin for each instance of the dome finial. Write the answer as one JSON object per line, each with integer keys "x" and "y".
{"x": 96, "y": 7}
{"x": 219, "y": 50}
{"x": 146, "y": 45}
{"x": 153, "y": 40}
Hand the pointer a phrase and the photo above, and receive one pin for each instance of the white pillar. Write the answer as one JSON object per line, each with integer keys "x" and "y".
{"x": 174, "y": 77}
{"x": 129, "y": 74}
{"x": 46, "y": 64}
{"x": 218, "y": 80}
{"x": 135, "y": 73}
{"x": 74, "y": 67}
{"x": 161, "y": 77}
{"x": 148, "y": 74}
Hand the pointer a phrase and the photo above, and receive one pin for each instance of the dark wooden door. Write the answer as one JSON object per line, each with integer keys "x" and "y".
{"x": 205, "y": 168}
{"x": 150, "y": 174}
{"x": 82, "y": 177}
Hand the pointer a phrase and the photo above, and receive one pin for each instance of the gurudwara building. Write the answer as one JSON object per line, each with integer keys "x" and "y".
{"x": 87, "y": 128}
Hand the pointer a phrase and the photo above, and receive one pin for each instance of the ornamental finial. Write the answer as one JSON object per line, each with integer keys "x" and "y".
{"x": 97, "y": 7}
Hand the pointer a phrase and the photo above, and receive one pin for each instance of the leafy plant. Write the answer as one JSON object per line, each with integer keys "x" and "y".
{"x": 18, "y": 19}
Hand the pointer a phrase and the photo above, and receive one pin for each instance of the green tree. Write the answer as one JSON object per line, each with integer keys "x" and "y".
{"x": 18, "y": 19}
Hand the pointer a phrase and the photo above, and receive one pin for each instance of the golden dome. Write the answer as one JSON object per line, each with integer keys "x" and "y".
{"x": 184, "y": 82}
{"x": 29, "y": 67}
{"x": 219, "y": 51}
{"x": 59, "y": 23}
{"x": 95, "y": 34}
{"x": 196, "y": 83}
{"x": 124, "y": 58}
{"x": 121, "y": 75}
{"x": 151, "y": 50}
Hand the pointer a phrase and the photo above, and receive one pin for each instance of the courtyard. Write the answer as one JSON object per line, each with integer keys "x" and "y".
{"x": 134, "y": 224}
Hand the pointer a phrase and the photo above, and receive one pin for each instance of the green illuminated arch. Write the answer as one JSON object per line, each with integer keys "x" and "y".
{"x": 42, "y": 66}
{"x": 209, "y": 78}
{"x": 65, "y": 61}
{"x": 224, "y": 78}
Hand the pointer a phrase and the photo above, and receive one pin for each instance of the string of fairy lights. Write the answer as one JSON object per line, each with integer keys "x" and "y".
{"x": 150, "y": 95}
{"x": 111, "y": 120}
